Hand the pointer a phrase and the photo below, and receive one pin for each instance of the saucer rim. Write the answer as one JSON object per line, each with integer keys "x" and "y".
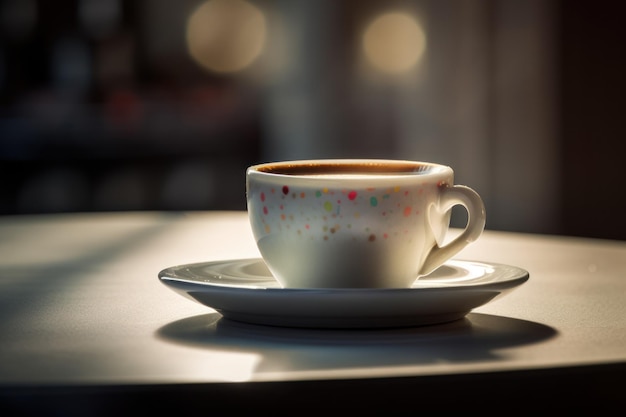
{"x": 521, "y": 275}
{"x": 344, "y": 308}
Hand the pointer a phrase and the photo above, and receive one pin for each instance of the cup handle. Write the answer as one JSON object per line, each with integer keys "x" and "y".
{"x": 452, "y": 195}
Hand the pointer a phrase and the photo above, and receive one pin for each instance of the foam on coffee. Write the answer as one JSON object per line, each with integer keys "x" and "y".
{"x": 348, "y": 170}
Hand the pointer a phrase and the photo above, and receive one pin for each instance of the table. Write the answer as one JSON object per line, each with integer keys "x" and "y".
{"x": 87, "y": 329}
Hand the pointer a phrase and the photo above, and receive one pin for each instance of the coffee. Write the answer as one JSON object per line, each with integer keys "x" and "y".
{"x": 341, "y": 167}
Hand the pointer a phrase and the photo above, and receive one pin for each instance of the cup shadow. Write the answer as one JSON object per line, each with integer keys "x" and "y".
{"x": 477, "y": 337}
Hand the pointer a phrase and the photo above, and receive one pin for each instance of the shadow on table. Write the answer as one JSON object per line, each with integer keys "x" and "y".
{"x": 477, "y": 337}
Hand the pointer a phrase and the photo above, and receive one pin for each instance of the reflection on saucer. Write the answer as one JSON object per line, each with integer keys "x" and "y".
{"x": 244, "y": 290}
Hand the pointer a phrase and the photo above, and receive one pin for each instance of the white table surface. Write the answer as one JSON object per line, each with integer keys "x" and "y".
{"x": 81, "y": 305}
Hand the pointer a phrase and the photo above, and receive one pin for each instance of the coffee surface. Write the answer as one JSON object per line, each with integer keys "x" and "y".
{"x": 348, "y": 170}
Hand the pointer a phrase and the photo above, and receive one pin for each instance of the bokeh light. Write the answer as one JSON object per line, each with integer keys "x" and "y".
{"x": 394, "y": 42}
{"x": 226, "y": 35}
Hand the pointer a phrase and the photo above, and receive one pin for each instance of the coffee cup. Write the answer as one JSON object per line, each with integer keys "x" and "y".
{"x": 357, "y": 223}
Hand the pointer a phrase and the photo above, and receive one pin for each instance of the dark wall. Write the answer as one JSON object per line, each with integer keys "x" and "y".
{"x": 593, "y": 119}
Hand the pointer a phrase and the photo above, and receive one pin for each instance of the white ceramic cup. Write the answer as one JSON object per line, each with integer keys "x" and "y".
{"x": 356, "y": 223}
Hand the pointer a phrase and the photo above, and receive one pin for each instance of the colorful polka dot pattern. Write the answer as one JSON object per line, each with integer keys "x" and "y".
{"x": 326, "y": 213}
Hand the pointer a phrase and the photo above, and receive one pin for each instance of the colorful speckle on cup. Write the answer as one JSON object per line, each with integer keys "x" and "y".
{"x": 326, "y": 213}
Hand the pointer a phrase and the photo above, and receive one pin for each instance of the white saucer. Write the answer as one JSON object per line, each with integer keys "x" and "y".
{"x": 245, "y": 290}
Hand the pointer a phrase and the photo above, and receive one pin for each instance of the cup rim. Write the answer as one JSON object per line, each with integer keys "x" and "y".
{"x": 405, "y": 168}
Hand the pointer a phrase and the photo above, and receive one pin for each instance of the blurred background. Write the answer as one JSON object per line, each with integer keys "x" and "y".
{"x": 112, "y": 105}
